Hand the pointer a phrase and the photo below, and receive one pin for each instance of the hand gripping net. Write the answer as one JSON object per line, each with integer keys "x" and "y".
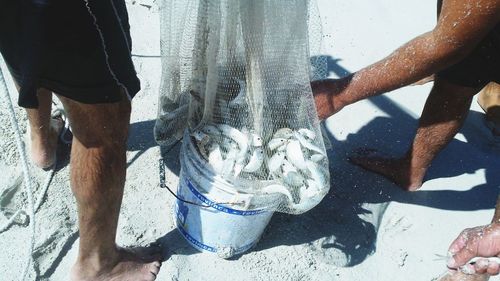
{"x": 236, "y": 74}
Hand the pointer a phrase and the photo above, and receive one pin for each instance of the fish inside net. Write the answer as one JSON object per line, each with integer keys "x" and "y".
{"x": 236, "y": 75}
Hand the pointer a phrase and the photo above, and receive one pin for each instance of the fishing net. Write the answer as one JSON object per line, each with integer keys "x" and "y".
{"x": 236, "y": 75}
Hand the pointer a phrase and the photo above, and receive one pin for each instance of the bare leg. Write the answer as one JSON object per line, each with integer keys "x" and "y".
{"x": 43, "y": 131}
{"x": 98, "y": 167}
{"x": 444, "y": 113}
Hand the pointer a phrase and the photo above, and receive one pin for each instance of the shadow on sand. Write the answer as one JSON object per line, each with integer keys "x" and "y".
{"x": 343, "y": 227}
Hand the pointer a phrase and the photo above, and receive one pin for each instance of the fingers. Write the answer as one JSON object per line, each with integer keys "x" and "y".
{"x": 481, "y": 266}
{"x": 493, "y": 268}
{"x": 463, "y": 249}
{"x": 459, "y": 243}
{"x": 462, "y": 257}
{"x": 484, "y": 266}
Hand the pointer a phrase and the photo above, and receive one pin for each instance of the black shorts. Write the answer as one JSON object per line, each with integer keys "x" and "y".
{"x": 480, "y": 67}
{"x": 55, "y": 44}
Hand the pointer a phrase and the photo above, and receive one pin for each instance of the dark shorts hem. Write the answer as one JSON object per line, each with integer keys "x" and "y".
{"x": 79, "y": 50}
{"x": 480, "y": 67}
{"x": 109, "y": 93}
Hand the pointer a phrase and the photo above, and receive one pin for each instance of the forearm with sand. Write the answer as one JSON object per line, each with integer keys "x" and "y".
{"x": 453, "y": 38}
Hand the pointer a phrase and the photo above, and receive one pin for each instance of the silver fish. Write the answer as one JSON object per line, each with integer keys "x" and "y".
{"x": 229, "y": 162}
{"x": 287, "y": 167}
{"x": 307, "y": 192}
{"x": 215, "y": 158}
{"x": 256, "y": 140}
{"x": 278, "y": 188}
{"x": 295, "y": 155}
{"x": 317, "y": 176}
{"x": 275, "y": 162}
{"x": 284, "y": 133}
{"x": 211, "y": 130}
{"x": 307, "y": 133}
{"x": 307, "y": 144}
{"x": 276, "y": 143}
{"x": 317, "y": 157}
{"x": 237, "y": 136}
{"x": 255, "y": 161}
{"x": 240, "y": 98}
{"x": 293, "y": 179}
{"x": 238, "y": 167}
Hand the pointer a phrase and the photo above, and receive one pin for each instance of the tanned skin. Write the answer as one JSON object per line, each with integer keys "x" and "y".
{"x": 481, "y": 241}
{"x": 462, "y": 24}
{"x": 97, "y": 177}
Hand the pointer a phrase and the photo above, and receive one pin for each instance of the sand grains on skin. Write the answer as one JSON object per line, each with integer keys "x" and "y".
{"x": 135, "y": 264}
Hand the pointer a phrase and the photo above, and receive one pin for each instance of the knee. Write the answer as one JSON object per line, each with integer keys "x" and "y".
{"x": 99, "y": 160}
{"x": 106, "y": 130}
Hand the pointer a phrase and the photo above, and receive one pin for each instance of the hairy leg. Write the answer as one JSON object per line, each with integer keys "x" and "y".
{"x": 43, "y": 130}
{"x": 444, "y": 113}
{"x": 98, "y": 167}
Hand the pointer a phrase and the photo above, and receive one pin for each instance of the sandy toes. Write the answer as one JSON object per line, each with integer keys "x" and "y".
{"x": 134, "y": 264}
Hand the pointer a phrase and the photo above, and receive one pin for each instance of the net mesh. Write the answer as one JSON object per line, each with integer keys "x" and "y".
{"x": 236, "y": 74}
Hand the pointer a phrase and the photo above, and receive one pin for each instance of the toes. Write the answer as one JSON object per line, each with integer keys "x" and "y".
{"x": 481, "y": 266}
{"x": 153, "y": 269}
{"x": 493, "y": 268}
{"x": 468, "y": 269}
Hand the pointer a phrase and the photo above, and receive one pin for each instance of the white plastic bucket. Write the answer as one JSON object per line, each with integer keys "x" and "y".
{"x": 215, "y": 227}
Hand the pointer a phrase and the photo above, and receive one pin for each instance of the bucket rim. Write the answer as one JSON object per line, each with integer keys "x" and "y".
{"x": 220, "y": 207}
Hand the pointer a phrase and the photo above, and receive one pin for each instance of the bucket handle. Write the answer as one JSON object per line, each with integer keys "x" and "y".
{"x": 164, "y": 185}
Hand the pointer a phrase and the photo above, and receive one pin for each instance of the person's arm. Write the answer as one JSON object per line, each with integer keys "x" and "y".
{"x": 461, "y": 26}
{"x": 482, "y": 241}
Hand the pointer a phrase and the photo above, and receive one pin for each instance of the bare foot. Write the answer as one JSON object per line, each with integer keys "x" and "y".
{"x": 459, "y": 276}
{"x": 44, "y": 144}
{"x": 135, "y": 264}
{"x": 396, "y": 170}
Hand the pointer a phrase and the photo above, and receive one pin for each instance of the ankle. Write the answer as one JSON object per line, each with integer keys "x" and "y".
{"x": 411, "y": 172}
{"x": 99, "y": 260}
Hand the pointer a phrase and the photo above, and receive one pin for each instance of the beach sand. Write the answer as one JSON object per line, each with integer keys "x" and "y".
{"x": 365, "y": 228}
